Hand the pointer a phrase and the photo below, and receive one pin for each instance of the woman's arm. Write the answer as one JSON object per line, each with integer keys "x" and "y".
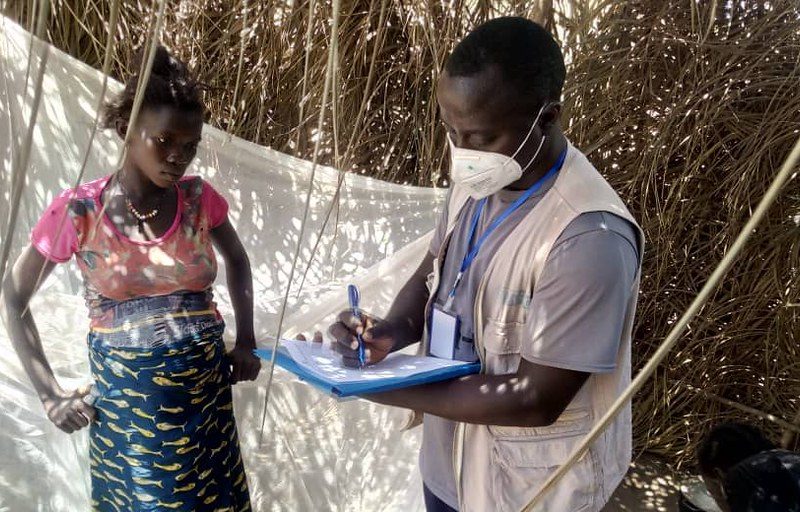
{"x": 240, "y": 287}
{"x": 64, "y": 408}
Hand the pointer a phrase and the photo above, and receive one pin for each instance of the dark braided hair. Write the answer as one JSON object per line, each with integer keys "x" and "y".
{"x": 170, "y": 84}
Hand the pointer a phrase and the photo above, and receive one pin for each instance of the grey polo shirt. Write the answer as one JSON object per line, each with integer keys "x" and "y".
{"x": 576, "y": 313}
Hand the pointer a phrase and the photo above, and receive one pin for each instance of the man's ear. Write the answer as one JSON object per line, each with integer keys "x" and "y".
{"x": 550, "y": 115}
{"x": 121, "y": 125}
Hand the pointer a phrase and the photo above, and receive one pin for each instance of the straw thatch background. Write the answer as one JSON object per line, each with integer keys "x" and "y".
{"x": 688, "y": 108}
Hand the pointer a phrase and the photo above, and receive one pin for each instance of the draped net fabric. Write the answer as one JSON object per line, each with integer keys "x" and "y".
{"x": 318, "y": 454}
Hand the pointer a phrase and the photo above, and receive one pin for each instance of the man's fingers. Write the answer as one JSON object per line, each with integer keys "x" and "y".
{"x": 345, "y": 317}
{"x": 316, "y": 339}
{"x": 374, "y": 351}
{"x": 339, "y": 331}
{"x": 351, "y": 322}
{"x": 372, "y": 355}
{"x": 350, "y": 362}
{"x": 345, "y": 347}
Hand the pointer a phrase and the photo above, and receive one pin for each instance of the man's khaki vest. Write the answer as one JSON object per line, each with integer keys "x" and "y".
{"x": 501, "y": 468}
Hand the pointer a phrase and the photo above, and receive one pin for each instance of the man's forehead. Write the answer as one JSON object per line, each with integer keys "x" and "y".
{"x": 483, "y": 92}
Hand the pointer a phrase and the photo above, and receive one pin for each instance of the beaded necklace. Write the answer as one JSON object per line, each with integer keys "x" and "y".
{"x": 138, "y": 215}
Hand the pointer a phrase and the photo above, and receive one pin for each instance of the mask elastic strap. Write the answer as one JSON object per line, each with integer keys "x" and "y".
{"x": 535, "y": 154}
{"x": 530, "y": 132}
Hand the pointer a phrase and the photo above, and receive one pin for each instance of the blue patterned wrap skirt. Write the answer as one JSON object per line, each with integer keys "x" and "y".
{"x": 165, "y": 436}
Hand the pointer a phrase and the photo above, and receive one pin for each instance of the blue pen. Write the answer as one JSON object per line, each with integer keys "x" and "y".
{"x": 353, "y": 294}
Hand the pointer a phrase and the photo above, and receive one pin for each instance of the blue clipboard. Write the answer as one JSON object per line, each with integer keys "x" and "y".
{"x": 338, "y": 389}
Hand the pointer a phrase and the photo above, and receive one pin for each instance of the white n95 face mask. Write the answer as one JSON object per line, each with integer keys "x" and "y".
{"x": 482, "y": 173}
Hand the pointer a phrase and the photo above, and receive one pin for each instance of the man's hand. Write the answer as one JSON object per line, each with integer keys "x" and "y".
{"x": 378, "y": 336}
{"x": 68, "y": 411}
{"x": 245, "y": 364}
{"x": 316, "y": 339}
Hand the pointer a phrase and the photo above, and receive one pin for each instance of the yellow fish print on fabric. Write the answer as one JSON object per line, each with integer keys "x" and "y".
{"x": 146, "y": 481}
{"x": 168, "y": 467}
{"x": 163, "y": 381}
{"x": 185, "y": 488}
{"x": 135, "y": 394}
{"x": 174, "y": 505}
{"x": 138, "y": 412}
{"x": 142, "y": 431}
{"x": 172, "y": 410}
{"x": 145, "y": 450}
{"x": 178, "y": 442}
{"x": 166, "y": 427}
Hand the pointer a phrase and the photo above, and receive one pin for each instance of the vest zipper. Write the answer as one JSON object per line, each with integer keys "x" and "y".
{"x": 460, "y": 433}
{"x": 458, "y": 437}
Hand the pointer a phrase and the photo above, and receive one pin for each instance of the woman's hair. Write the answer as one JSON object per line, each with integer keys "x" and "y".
{"x": 728, "y": 444}
{"x": 170, "y": 84}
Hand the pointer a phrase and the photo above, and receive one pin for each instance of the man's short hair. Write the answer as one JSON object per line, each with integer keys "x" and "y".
{"x": 528, "y": 57}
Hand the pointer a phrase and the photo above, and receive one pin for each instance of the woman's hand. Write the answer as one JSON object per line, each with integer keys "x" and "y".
{"x": 245, "y": 365}
{"x": 68, "y": 411}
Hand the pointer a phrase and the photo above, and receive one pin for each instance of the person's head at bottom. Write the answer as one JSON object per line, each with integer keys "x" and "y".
{"x": 723, "y": 448}
{"x": 766, "y": 482}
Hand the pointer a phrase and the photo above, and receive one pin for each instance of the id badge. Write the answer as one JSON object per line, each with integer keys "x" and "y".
{"x": 444, "y": 333}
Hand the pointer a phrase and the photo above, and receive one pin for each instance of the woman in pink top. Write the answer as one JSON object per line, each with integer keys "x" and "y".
{"x": 162, "y": 432}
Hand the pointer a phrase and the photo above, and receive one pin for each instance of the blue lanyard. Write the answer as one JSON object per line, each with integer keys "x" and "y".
{"x": 470, "y": 256}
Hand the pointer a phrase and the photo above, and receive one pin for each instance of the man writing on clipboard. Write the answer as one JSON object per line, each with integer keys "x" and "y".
{"x": 534, "y": 271}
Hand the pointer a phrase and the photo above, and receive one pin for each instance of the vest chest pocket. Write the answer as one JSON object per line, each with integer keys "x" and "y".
{"x": 502, "y": 345}
{"x": 505, "y": 315}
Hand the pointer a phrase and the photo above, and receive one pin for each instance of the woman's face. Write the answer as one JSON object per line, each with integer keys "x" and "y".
{"x": 164, "y": 142}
